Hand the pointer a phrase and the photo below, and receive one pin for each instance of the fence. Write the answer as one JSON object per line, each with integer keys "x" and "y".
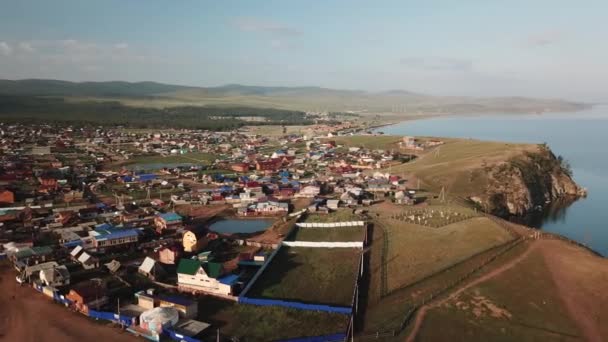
{"x": 260, "y": 271}
{"x": 412, "y": 311}
{"x": 324, "y": 338}
{"x": 295, "y": 305}
{"x": 330, "y": 224}
{"x": 111, "y": 316}
{"x": 353, "y": 244}
{"x": 179, "y": 337}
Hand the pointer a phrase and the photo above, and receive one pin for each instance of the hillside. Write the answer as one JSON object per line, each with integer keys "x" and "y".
{"x": 399, "y": 102}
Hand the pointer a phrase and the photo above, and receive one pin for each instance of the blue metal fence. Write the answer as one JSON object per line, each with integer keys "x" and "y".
{"x": 295, "y": 305}
{"x": 179, "y": 337}
{"x": 324, "y": 338}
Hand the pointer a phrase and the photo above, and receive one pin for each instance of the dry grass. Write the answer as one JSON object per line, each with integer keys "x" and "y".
{"x": 522, "y": 304}
{"x": 342, "y": 234}
{"x": 458, "y": 165}
{"x": 416, "y": 251}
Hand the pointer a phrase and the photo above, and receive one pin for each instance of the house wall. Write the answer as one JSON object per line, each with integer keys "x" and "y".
{"x": 200, "y": 282}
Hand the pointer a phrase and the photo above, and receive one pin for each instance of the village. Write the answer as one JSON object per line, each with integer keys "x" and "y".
{"x": 147, "y": 229}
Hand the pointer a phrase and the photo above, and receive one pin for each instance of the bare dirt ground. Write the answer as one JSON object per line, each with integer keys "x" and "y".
{"x": 26, "y": 315}
{"x": 422, "y": 312}
{"x": 581, "y": 280}
{"x": 579, "y": 276}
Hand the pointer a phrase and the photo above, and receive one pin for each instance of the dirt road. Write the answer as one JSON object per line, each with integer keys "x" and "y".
{"x": 26, "y": 315}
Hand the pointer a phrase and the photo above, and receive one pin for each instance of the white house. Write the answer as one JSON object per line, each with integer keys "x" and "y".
{"x": 194, "y": 276}
{"x": 55, "y": 276}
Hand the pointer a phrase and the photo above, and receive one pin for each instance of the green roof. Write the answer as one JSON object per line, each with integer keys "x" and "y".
{"x": 213, "y": 269}
{"x": 188, "y": 266}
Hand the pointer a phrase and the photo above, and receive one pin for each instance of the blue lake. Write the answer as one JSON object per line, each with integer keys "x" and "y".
{"x": 232, "y": 226}
{"x": 580, "y": 137}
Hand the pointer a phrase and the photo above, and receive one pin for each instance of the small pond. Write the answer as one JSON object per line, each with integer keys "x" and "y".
{"x": 232, "y": 226}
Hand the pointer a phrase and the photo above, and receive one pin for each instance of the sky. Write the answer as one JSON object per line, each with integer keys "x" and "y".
{"x": 537, "y": 48}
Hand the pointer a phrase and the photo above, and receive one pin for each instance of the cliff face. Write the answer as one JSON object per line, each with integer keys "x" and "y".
{"x": 526, "y": 183}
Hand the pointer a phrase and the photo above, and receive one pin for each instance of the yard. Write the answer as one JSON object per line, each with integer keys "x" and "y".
{"x": 340, "y": 215}
{"x": 342, "y": 234}
{"x": 310, "y": 275}
{"x": 258, "y": 323}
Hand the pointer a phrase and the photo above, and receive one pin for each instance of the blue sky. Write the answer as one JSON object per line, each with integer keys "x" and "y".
{"x": 478, "y": 48}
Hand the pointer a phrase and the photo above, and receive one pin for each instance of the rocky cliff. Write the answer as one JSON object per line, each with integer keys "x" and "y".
{"x": 527, "y": 182}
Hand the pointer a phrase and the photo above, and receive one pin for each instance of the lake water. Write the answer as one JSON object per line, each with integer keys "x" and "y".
{"x": 232, "y": 226}
{"x": 580, "y": 137}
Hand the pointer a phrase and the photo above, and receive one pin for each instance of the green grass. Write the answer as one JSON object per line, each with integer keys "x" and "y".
{"x": 416, "y": 251}
{"x": 459, "y": 164}
{"x": 257, "y": 323}
{"x": 529, "y": 308}
{"x": 311, "y": 275}
{"x": 193, "y": 157}
{"x": 374, "y": 142}
{"x": 342, "y": 234}
{"x": 340, "y": 215}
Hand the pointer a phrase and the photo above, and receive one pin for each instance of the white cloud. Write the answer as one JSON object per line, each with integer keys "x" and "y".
{"x": 26, "y": 47}
{"x": 5, "y": 49}
{"x": 121, "y": 46}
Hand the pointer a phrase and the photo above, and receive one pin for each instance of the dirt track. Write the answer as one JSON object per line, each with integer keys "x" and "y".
{"x": 26, "y": 315}
{"x": 495, "y": 272}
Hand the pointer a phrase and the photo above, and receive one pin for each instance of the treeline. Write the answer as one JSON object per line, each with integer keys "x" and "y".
{"x": 111, "y": 113}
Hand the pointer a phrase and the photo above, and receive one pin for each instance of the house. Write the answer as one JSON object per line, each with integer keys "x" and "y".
{"x": 194, "y": 276}
{"x": 88, "y": 261}
{"x": 168, "y": 255}
{"x": 271, "y": 165}
{"x": 151, "y": 269}
{"x": 7, "y": 197}
{"x": 167, "y": 222}
{"x": 333, "y": 204}
{"x": 90, "y": 294}
{"x": 265, "y": 208}
{"x": 309, "y": 191}
{"x": 186, "y": 308}
{"x": 106, "y": 236}
{"x": 239, "y": 167}
{"x": 195, "y": 239}
{"x": 55, "y": 276}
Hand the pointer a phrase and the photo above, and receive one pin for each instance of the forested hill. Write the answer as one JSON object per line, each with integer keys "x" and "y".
{"x": 398, "y": 102}
{"x": 113, "y": 113}
{"x": 38, "y": 87}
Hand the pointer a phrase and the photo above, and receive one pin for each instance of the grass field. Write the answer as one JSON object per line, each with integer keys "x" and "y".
{"x": 311, "y": 275}
{"x": 194, "y": 157}
{"x": 435, "y": 216}
{"x": 522, "y": 304}
{"x": 257, "y": 323}
{"x": 466, "y": 160}
{"x": 374, "y": 142}
{"x": 340, "y": 215}
{"x": 416, "y": 251}
{"x": 342, "y": 234}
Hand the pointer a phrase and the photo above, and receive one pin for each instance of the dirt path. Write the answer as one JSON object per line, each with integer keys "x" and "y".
{"x": 26, "y": 315}
{"x": 492, "y": 274}
{"x": 581, "y": 306}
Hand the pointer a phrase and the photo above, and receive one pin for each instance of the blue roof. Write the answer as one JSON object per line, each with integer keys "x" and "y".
{"x": 171, "y": 217}
{"x": 229, "y": 279}
{"x": 107, "y": 231}
{"x": 72, "y": 243}
{"x": 146, "y": 177}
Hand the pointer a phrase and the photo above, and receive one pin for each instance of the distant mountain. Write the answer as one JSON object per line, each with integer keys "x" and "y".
{"x": 399, "y": 102}
{"x": 40, "y": 87}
